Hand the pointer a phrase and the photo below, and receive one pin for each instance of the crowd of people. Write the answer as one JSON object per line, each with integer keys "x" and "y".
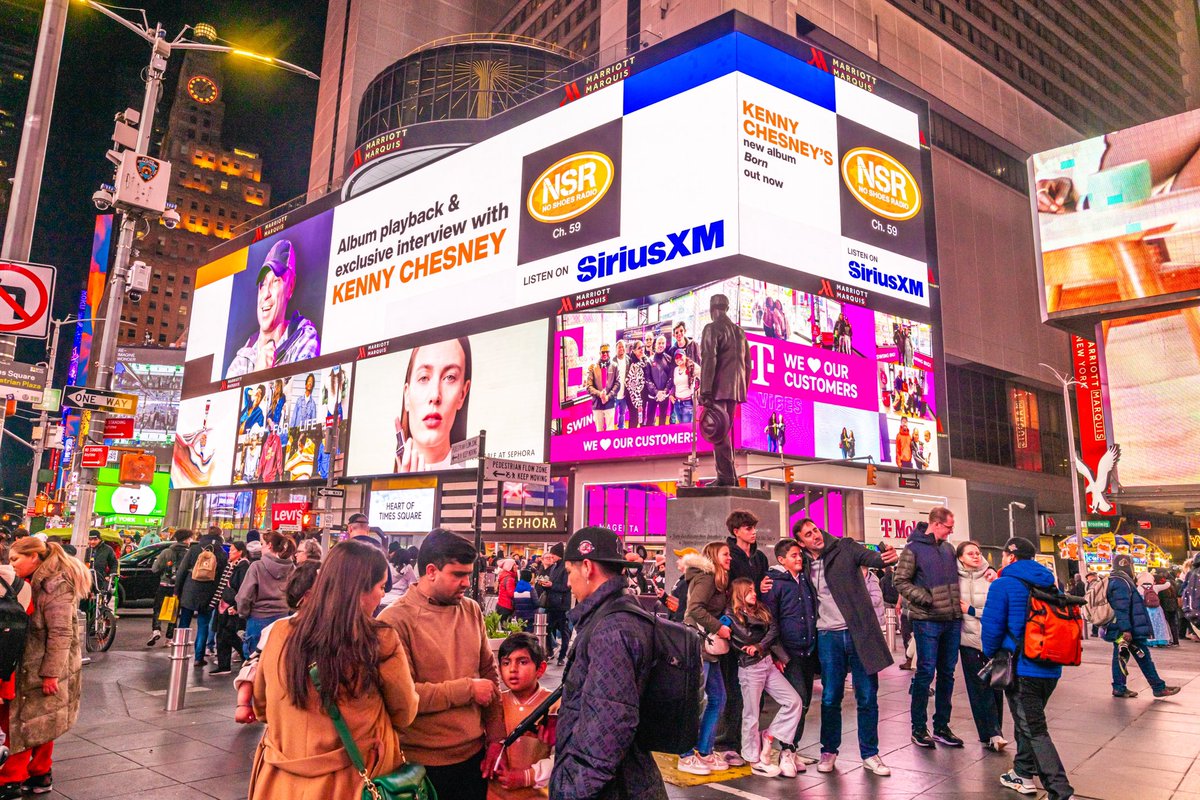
{"x": 648, "y": 381}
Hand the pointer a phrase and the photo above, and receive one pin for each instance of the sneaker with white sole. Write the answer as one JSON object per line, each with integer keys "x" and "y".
{"x": 715, "y": 762}
{"x": 875, "y": 764}
{"x": 827, "y": 762}
{"x": 765, "y": 768}
{"x": 693, "y": 765}
{"x": 996, "y": 744}
{"x": 733, "y": 758}
{"x": 1018, "y": 784}
{"x": 787, "y": 764}
{"x": 154, "y": 637}
{"x": 768, "y": 744}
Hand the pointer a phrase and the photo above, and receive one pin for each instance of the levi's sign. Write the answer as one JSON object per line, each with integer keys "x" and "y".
{"x": 499, "y": 469}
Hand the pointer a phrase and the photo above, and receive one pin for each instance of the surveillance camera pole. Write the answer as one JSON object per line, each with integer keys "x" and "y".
{"x": 1066, "y": 389}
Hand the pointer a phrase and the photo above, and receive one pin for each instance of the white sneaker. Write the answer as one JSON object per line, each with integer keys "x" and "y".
{"x": 768, "y": 744}
{"x": 1018, "y": 783}
{"x": 765, "y": 768}
{"x": 875, "y": 764}
{"x": 693, "y": 765}
{"x": 715, "y": 762}
{"x": 827, "y": 761}
{"x": 787, "y": 764}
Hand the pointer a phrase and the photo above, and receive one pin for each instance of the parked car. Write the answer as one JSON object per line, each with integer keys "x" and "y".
{"x": 138, "y": 582}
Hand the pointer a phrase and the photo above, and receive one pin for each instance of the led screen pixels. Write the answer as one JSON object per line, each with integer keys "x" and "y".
{"x": 1117, "y": 218}
{"x": 1152, "y": 364}
{"x": 411, "y": 406}
{"x": 282, "y": 423}
{"x": 155, "y": 375}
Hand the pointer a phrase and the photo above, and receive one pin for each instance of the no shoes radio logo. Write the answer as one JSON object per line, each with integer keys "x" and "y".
{"x": 571, "y": 194}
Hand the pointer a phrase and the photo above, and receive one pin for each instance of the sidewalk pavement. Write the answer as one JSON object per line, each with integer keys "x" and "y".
{"x": 126, "y": 746}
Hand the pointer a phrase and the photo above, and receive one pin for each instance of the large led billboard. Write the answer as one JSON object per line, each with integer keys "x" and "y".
{"x": 155, "y": 375}
{"x": 1118, "y": 219}
{"x": 717, "y": 157}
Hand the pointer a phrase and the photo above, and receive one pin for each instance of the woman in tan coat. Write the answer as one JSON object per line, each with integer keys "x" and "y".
{"x": 362, "y": 668}
{"x": 48, "y": 679}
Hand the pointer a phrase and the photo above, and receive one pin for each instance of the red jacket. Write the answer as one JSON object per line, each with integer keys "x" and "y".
{"x": 505, "y": 587}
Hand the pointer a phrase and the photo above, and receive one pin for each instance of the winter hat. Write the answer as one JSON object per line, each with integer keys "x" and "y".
{"x": 1022, "y": 549}
{"x": 558, "y": 550}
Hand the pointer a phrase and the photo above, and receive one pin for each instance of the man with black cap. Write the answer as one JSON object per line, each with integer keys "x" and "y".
{"x": 1130, "y": 630}
{"x": 100, "y": 557}
{"x": 280, "y": 339}
{"x": 595, "y": 754}
{"x": 359, "y": 527}
{"x": 1003, "y": 628}
{"x": 552, "y": 587}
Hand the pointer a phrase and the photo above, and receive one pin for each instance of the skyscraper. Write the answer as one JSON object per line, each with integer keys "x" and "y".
{"x": 216, "y": 190}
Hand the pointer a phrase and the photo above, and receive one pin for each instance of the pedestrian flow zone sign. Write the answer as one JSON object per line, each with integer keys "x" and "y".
{"x": 26, "y": 298}
{"x": 100, "y": 400}
{"x": 499, "y": 469}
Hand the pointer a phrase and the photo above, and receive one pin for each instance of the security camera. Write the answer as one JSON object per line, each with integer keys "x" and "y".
{"x": 134, "y": 296}
{"x": 103, "y": 199}
{"x": 170, "y": 218}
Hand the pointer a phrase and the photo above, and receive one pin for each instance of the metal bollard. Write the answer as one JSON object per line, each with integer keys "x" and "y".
{"x": 181, "y": 658}
{"x": 81, "y": 618}
{"x": 539, "y": 629}
{"x": 889, "y": 627}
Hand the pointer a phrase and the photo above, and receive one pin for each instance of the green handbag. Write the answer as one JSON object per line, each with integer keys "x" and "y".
{"x": 407, "y": 783}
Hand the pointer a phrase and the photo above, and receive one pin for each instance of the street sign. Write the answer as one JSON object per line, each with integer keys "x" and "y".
{"x": 22, "y": 382}
{"x": 325, "y": 491}
{"x": 100, "y": 400}
{"x": 51, "y": 401}
{"x": 910, "y": 482}
{"x": 466, "y": 450}
{"x": 118, "y": 428}
{"x": 26, "y": 298}
{"x": 499, "y": 469}
{"x": 94, "y": 456}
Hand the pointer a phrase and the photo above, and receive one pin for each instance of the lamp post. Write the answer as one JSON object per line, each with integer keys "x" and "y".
{"x": 1066, "y": 390}
{"x": 1012, "y": 503}
{"x": 131, "y": 218}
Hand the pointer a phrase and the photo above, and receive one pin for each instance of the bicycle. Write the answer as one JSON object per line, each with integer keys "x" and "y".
{"x": 101, "y": 621}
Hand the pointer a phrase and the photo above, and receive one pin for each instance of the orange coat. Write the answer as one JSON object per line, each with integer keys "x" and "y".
{"x": 300, "y": 756}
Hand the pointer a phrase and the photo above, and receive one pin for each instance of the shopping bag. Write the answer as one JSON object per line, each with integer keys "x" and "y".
{"x": 170, "y": 609}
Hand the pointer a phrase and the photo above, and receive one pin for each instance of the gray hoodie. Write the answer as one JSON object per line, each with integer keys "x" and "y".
{"x": 263, "y": 592}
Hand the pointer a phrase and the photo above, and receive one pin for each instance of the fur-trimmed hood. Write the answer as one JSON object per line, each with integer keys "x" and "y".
{"x": 695, "y": 563}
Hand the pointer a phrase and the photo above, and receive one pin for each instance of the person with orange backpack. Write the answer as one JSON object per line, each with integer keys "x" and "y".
{"x": 1004, "y": 628}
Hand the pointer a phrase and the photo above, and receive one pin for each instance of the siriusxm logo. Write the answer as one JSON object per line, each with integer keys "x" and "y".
{"x": 688, "y": 241}
{"x": 887, "y": 280}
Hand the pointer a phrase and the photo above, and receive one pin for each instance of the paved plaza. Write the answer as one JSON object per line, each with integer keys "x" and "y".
{"x": 126, "y": 746}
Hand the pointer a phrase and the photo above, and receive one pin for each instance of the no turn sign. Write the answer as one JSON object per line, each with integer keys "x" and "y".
{"x": 26, "y": 298}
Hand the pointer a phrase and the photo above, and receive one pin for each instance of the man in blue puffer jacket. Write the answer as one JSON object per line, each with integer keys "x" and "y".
{"x": 1004, "y": 629}
{"x": 1130, "y": 628}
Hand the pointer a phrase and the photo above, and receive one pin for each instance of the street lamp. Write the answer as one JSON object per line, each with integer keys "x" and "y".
{"x": 132, "y": 216}
{"x": 1012, "y": 503}
{"x": 1067, "y": 383}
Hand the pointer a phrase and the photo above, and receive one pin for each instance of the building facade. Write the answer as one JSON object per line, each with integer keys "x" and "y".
{"x": 217, "y": 190}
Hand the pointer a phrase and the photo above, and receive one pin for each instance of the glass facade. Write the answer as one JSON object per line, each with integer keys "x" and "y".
{"x": 471, "y": 79}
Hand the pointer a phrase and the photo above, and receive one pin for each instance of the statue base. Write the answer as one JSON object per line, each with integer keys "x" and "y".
{"x": 697, "y": 516}
{"x": 722, "y": 491}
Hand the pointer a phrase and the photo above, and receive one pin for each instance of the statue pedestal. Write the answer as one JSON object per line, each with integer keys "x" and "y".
{"x": 697, "y": 516}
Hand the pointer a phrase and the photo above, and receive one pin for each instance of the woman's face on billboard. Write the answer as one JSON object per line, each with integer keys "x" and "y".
{"x": 436, "y": 391}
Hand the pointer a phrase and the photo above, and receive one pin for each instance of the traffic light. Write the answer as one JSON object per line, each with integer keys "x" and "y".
{"x": 870, "y": 475}
{"x": 789, "y": 473}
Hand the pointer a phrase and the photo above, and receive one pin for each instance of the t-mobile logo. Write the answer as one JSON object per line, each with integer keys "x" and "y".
{"x": 763, "y": 357}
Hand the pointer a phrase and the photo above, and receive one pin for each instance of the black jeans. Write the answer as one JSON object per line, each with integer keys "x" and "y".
{"x": 987, "y": 704}
{"x": 729, "y": 732}
{"x": 226, "y": 626}
{"x": 1027, "y": 698}
{"x": 160, "y": 594}
{"x": 558, "y": 629}
{"x": 800, "y": 672}
{"x": 461, "y": 781}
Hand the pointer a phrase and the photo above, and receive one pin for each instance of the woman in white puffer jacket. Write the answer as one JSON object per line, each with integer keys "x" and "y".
{"x": 987, "y": 704}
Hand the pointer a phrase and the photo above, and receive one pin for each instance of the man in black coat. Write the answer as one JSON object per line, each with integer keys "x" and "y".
{"x": 726, "y": 358}
{"x": 100, "y": 557}
{"x": 552, "y": 585}
{"x": 848, "y": 639}
{"x": 195, "y": 596}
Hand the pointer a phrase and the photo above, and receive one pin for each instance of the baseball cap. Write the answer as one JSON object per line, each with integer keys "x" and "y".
{"x": 1021, "y": 548}
{"x": 603, "y": 348}
{"x": 356, "y": 519}
{"x": 93, "y": 534}
{"x": 280, "y": 260}
{"x": 595, "y": 544}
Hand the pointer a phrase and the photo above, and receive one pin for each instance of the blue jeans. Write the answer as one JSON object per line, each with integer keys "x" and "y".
{"x": 714, "y": 696}
{"x": 203, "y": 620}
{"x": 1143, "y": 661}
{"x": 254, "y": 629}
{"x": 937, "y": 650}
{"x": 683, "y": 411}
{"x": 838, "y": 657}
{"x": 622, "y": 412}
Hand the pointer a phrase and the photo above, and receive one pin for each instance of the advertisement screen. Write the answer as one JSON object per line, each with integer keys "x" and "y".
{"x": 203, "y": 452}
{"x": 411, "y": 406}
{"x": 282, "y": 425}
{"x": 1118, "y": 217}
{"x": 1153, "y": 366}
{"x": 147, "y": 499}
{"x": 155, "y": 375}
{"x": 402, "y": 510}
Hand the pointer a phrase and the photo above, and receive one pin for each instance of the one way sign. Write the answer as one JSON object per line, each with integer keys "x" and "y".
{"x": 100, "y": 400}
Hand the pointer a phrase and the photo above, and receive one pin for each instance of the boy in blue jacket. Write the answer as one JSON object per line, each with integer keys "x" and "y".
{"x": 1004, "y": 629}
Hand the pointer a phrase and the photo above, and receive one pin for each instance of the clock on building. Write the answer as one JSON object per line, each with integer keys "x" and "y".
{"x": 202, "y": 89}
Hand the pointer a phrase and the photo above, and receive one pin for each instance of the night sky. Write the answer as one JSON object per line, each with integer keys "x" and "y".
{"x": 267, "y": 110}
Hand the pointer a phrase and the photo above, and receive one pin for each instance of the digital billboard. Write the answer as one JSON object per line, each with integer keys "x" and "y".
{"x": 729, "y": 158}
{"x": 147, "y": 499}
{"x": 155, "y": 375}
{"x": 1118, "y": 219}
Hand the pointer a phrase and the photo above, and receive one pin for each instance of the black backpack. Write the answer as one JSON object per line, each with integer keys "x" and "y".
{"x": 14, "y": 625}
{"x": 669, "y": 711}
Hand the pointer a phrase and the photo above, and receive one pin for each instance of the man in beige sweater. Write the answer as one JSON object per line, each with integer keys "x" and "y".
{"x": 458, "y": 719}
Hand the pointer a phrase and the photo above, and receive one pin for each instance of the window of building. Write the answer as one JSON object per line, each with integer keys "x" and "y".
{"x": 224, "y": 184}
{"x": 162, "y": 338}
{"x": 153, "y": 305}
{"x": 171, "y": 278}
{"x": 149, "y": 320}
{"x": 166, "y": 310}
{"x": 185, "y": 294}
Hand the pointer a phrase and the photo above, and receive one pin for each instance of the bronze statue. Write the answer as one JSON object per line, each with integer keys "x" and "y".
{"x": 726, "y": 358}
